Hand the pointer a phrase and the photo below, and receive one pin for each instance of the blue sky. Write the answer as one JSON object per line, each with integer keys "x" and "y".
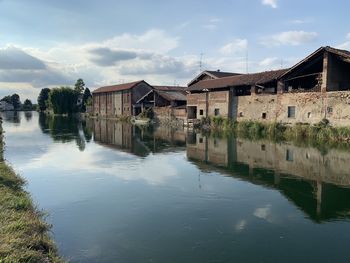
{"x": 52, "y": 43}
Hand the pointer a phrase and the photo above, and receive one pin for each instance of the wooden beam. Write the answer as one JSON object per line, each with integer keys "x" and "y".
{"x": 305, "y": 76}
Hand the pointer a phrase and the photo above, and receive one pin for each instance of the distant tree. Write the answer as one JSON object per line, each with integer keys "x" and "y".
{"x": 79, "y": 86}
{"x": 16, "y": 102}
{"x": 7, "y": 99}
{"x": 27, "y": 105}
{"x": 63, "y": 100}
{"x": 86, "y": 97}
{"x": 43, "y": 99}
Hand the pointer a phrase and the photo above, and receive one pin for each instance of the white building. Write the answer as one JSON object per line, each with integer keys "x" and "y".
{"x": 4, "y": 106}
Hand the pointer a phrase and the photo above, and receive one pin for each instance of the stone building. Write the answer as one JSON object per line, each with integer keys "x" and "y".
{"x": 121, "y": 100}
{"x": 317, "y": 87}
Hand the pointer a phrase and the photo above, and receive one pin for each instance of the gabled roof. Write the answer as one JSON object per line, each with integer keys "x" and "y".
{"x": 213, "y": 74}
{"x": 344, "y": 54}
{"x": 172, "y": 95}
{"x": 169, "y": 88}
{"x": 238, "y": 80}
{"x": 119, "y": 87}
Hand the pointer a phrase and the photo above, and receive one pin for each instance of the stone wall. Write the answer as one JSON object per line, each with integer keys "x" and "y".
{"x": 310, "y": 107}
{"x": 216, "y": 100}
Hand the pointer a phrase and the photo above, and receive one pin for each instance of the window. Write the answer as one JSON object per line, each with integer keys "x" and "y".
{"x": 291, "y": 111}
{"x": 241, "y": 114}
{"x": 289, "y": 156}
{"x": 263, "y": 115}
{"x": 200, "y": 112}
{"x": 200, "y": 140}
{"x": 309, "y": 114}
{"x": 217, "y": 112}
{"x": 263, "y": 147}
{"x": 330, "y": 110}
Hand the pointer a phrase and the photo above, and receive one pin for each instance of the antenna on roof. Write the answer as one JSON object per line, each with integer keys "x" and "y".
{"x": 201, "y": 62}
{"x": 246, "y": 61}
{"x": 281, "y": 63}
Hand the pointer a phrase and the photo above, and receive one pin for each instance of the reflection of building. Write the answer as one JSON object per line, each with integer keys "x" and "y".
{"x": 307, "y": 177}
{"x": 315, "y": 88}
{"x": 139, "y": 141}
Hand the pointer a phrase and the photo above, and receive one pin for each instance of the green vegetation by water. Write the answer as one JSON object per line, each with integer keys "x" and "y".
{"x": 317, "y": 134}
{"x": 24, "y": 235}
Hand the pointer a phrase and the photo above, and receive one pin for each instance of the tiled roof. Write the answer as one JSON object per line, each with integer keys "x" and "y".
{"x": 172, "y": 95}
{"x": 169, "y": 88}
{"x": 119, "y": 87}
{"x": 239, "y": 80}
{"x": 221, "y": 74}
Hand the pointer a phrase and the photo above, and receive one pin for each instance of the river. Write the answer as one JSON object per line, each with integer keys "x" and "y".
{"x": 119, "y": 193}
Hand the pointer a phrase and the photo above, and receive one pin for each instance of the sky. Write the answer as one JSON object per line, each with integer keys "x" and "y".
{"x": 46, "y": 43}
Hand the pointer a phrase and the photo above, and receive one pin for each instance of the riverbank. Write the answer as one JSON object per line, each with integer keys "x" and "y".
{"x": 24, "y": 234}
{"x": 320, "y": 133}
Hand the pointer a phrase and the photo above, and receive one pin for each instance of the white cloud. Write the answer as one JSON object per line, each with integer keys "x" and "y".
{"x": 267, "y": 62}
{"x": 293, "y": 38}
{"x": 346, "y": 44}
{"x": 271, "y": 3}
{"x": 234, "y": 47}
{"x": 213, "y": 24}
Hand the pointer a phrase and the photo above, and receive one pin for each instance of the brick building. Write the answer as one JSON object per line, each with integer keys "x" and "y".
{"x": 317, "y": 87}
{"x": 121, "y": 100}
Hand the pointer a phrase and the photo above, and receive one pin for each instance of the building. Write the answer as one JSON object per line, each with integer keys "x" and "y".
{"x": 317, "y": 87}
{"x": 122, "y": 100}
{"x": 5, "y": 106}
{"x": 209, "y": 74}
{"x": 170, "y": 103}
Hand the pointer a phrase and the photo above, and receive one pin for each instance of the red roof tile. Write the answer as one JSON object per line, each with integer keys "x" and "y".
{"x": 119, "y": 87}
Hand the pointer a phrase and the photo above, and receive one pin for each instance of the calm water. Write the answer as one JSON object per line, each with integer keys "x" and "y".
{"x": 118, "y": 193}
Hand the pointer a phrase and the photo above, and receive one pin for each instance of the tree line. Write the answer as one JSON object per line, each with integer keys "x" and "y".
{"x": 15, "y": 101}
{"x": 65, "y": 100}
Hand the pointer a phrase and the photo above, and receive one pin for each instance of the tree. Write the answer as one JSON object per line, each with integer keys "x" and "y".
{"x": 27, "y": 105}
{"x": 43, "y": 99}
{"x": 63, "y": 100}
{"x": 86, "y": 97}
{"x": 7, "y": 99}
{"x": 15, "y": 101}
{"x": 79, "y": 86}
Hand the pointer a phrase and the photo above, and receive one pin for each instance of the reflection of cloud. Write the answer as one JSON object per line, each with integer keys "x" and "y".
{"x": 154, "y": 170}
{"x": 263, "y": 213}
{"x": 240, "y": 226}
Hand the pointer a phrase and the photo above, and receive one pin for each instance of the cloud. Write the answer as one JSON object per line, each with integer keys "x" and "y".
{"x": 346, "y": 44}
{"x": 152, "y": 40}
{"x": 12, "y": 58}
{"x": 236, "y": 46}
{"x": 269, "y": 62}
{"x": 157, "y": 65}
{"x": 104, "y": 56}
{"x": 271, "y": 3}
{"x": 293, "y": 38}
{"x": 213, "y": 24}
{"x": 17, "y": 66}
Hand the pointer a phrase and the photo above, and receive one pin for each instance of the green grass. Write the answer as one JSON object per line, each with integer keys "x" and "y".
{"x": 24, "y": 234}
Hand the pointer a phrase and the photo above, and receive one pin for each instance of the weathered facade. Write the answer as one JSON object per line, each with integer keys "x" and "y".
{"x": 121, "y": 100}
{"x": 318, "y": 87}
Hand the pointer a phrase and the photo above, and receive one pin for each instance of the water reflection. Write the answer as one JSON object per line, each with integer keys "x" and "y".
{"x": 140, "y": 141}
{"x": 315, "y": 182}
{"x": 66, "y": 129}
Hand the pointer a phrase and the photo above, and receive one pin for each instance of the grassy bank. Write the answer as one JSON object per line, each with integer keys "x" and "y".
{"x": 320, "y": 133}
{"x": 24, "y": 235}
